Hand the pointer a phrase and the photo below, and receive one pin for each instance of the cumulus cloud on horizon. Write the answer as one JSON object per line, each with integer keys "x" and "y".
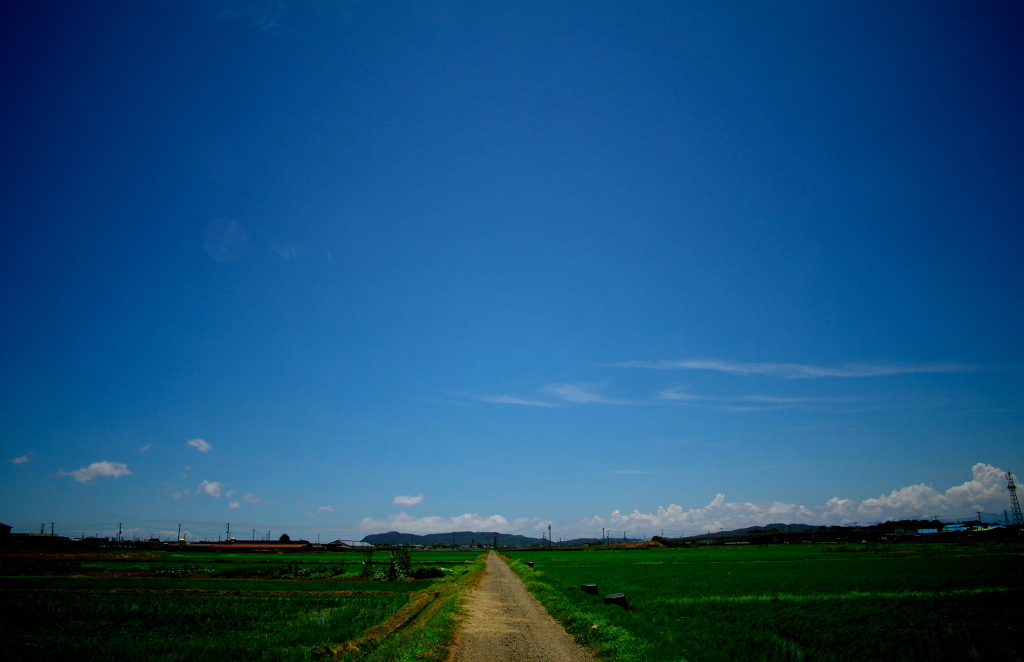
{"x": 200, "y": 445}
{"x": 435, "y": 524}
{"x": 985, "y": 491}
{"x": 407, "y": 500}
{"x": 96, "y": 470}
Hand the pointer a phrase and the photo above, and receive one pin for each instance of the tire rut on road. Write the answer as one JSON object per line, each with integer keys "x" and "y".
{"x": 505, "y": 623}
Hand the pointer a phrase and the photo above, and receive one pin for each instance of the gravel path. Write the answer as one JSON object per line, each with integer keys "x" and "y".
{"x": 505, "y": 622}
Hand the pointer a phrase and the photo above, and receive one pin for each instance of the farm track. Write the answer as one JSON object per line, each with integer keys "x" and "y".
{"x": 507, "y": 624}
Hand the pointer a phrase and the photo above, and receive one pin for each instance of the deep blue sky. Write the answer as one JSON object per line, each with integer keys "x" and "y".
{"x": 530, "y": 260}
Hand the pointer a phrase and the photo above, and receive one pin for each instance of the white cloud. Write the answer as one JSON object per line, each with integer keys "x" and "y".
{"x": 511, "y": 400}
{"x": 434, "y": 524}
{"x": 211, "y": 488}
{"x": 97, "y": 469}
{"x": 174, "y": 491}
{"x": 19, "y": 460}
{"x": 200, "y": 445}
{"x": 234, "y": 504}
{"x": 583, "y": 394}
{"x": 985, "y": 491}
{"x": 325, "y": 509}
{"x": 574, "y": 393}
{"x": 145, "y": 448}
{"x": 407, "y": 500}
{"x": 678, "y": 394}
{"x": 249, "y": 497}
{"x": 799, "y": 371}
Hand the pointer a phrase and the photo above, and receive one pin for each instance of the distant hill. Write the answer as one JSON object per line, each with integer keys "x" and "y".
{"x": 465, "y": 538}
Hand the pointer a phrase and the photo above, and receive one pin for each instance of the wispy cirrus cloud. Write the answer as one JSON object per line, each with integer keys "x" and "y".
{"x": 326, "y": 509}
{"x": 20, "y": 460}
{"x": 557, "y": 395}
{"x": 749, "y": 402}
{"x": 97, "y": 470}
{"x": 512, "y": 400}
{"x": 407, "y": 500}
{"x": 584, "y": 394}
{"x": 802, "y": 371}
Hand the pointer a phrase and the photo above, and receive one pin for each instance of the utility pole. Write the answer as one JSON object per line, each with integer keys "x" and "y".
{"x": 118, "y": 532}
{"x": 549, "y": 534}
{"x": 179, "y": 532}
{"x": 228, "y": 537}
{"x": 51, "y": 528}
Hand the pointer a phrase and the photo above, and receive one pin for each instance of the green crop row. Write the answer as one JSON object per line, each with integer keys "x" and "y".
{"x": 170, "y": 618}
{"x": 80, "y": 625}
{"x": 788, "y": 603}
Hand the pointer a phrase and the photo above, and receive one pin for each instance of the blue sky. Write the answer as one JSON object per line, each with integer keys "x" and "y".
{"x": 340, "y": 268}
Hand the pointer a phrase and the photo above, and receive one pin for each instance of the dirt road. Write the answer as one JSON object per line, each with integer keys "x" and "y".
{"x": 506, "y": 623}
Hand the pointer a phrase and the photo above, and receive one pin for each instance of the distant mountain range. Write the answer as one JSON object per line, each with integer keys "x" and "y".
{"x": 487, "y": 538}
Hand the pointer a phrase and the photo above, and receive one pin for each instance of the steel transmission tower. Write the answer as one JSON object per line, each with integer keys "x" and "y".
{"x": 1018, "y": 520}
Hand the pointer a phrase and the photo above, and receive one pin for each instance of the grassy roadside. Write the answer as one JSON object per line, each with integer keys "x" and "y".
{"x": 422, "y": 630}
{"x": 591, "y": 629}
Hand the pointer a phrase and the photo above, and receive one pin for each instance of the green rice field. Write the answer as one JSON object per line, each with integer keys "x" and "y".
{"x": 193, "y": 606}
{"x": 790, "y": 602}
